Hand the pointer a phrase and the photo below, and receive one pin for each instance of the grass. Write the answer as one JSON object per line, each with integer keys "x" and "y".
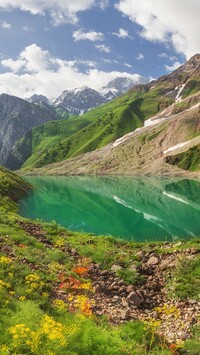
{"x": 186, "y": 281}
{"x": 189, "y": 160}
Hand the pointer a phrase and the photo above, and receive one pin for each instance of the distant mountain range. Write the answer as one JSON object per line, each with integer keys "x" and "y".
{"x": 80, "y": 100}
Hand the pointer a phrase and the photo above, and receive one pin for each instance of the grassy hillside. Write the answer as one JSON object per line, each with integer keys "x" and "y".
{"x": 56, "y": 141}
{"x": 144, "y": 151}
{"x": 189, "y": 160}
{"x": 72, "y": 293}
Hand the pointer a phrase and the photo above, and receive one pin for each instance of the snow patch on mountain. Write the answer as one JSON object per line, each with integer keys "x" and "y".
{"x": 179, "y": 145}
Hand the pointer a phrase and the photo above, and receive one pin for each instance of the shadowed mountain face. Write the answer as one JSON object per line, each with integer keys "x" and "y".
{"x": 17, "y": 117}
{"x": 131, "y": 208}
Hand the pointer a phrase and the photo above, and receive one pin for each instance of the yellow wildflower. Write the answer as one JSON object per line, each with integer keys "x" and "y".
{"x": 5, "y": 260}
{"x": 22, "y": 298}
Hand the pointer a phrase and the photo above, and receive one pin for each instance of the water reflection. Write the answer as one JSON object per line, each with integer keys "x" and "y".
{"x": 131, "y": 208}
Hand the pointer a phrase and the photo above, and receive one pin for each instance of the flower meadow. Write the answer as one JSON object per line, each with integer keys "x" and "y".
{"x": 47, "y": 303}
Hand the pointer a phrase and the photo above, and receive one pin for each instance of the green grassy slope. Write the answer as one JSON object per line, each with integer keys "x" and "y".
{"x": 56, "y": 141}
{"x": 188, "y": 160}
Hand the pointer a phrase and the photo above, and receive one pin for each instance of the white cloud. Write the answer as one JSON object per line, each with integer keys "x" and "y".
{"x": 172, "y": 67}
{"x": 166, "y": 56}
{"x": 128, "y": 65}
{"x": 122, "y": 33}
{"x": 109, "y": 61}
{"x": 28, "y": 29}
{"x": 176, "y": 22}
{"x": 140, "y": 56}
{"x": 61, "y": 11}
{"x": 103, "y": 48}
{"x": 103, "y": 4}
{"x": 14, "y": 65}
{"x": 36, "y": 71}
{"x": 93, "y": 36}
{"x": 5, "y": 25}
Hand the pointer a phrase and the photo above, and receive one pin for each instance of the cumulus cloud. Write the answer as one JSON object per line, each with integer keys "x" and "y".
{"x": 122, "y": 33}
{"x": 31, "y": 59}
{"x": 93, "y": 36}
{"x": 5, "y": 25}
{"x": 175, "y": 22}
{"x": 36, "y": 71}
{"x": 59, "y": 10}
{"x": 103, "y": 48}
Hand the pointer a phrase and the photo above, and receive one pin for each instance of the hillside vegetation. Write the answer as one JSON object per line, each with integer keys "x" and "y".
{"x": 149, "y": 150}
{"x": 59, "y": 140}
{"x": 71, "y": 293}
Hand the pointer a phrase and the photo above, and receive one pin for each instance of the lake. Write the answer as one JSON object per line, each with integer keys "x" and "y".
{"x": 132, "y": 208}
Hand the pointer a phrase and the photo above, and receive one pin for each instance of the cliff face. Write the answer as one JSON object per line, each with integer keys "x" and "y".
{"x": 17, "y": 117}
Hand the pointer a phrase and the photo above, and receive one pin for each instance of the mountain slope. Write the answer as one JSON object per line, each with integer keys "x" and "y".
{"x": 147, "y": 150}
{"x": 17, "y": 117}
{"x": 100, "y": 126}
{"x": 111, "y": 121}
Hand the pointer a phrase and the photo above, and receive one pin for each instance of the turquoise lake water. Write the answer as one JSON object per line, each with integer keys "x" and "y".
{"x": 137, "y": 209}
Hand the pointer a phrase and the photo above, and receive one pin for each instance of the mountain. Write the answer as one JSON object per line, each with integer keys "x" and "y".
{"x": 83, "y": 99}
{"x": 79, "y": 101}
{"x": 168, "y": 144}
{"x": 36, "y": 99}
{"x": 17, "y": 117}
{"x": 164, "y": 98}
{"x": 120, "y": 85}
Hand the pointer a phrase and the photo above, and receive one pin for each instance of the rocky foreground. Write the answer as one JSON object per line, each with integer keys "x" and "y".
{"x": 147, "y": 299}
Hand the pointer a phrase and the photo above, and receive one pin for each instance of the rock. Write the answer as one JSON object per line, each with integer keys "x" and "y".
{"x": 124, "y": 302}
{"x": 165, "y": 263}
{"x": 98, "y": 266}
{"x": 116, "y": 267}
{"x": 104, "y": 273}
{"x": 134, "y": 298}
{"x": 116, "y": 298}
{"x": 121, "y": 282}
{"x": 132, "y": 267}
{"x": 74, "y": 252}
{"x": 140, "y": 254}
{"x": 177, "y": 244}
{"x": 127, "y": 314}
{"x": 153, "y": 260}
{"x": 129, "y": 288}
{"x": 102, "y": 285}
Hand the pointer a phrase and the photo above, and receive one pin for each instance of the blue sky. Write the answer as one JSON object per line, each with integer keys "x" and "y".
{"x": 49, "y": 46}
